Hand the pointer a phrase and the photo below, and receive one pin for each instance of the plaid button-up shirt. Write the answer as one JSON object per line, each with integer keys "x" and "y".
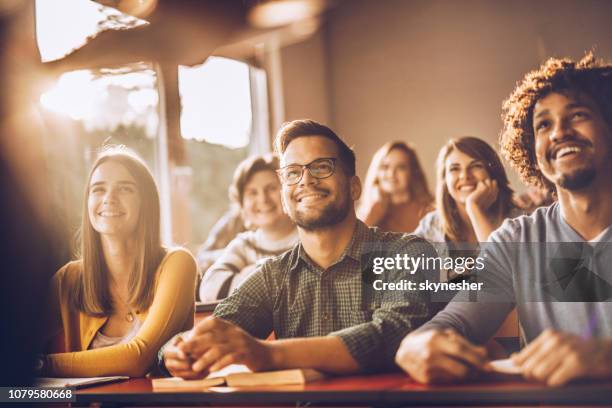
{"x": 294, "y": 297}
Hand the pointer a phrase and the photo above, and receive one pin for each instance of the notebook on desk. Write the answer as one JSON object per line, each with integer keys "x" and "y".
{"x": 236, "y": 375}
{"x": 52, "y": 382}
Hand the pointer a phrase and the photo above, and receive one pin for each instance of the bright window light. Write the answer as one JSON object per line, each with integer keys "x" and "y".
{"x": 65, "y": 25}
{"x": 216, "y": 102}
{"x": 107, "y": 98}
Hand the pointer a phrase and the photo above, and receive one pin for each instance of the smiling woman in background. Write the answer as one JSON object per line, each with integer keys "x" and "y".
{"x": 126, "y": 295}
{"x": 256, "y": 190}
{"x": 396, "y": 195}
{"x": 473, "y": 197}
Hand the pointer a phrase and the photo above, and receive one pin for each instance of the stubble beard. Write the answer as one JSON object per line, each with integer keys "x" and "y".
{"x": 578, "y": 179}
{"x": 329, "y": 216}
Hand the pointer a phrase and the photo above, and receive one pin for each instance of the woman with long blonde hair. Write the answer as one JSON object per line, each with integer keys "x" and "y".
{"x": 396, "y": 195}
{"x": 126, "y": 295}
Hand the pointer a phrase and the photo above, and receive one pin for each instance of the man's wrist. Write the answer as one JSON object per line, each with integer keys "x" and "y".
{"x": 161, "y": 361}
{"x": 275, "y": 354}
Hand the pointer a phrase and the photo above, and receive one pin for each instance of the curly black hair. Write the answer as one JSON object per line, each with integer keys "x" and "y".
{"x": 588, "y": 76}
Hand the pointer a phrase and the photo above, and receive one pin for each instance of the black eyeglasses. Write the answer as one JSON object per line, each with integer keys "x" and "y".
{"x": 319, "y": 168}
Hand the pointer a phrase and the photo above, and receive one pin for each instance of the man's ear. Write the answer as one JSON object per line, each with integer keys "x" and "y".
{"x": 355, "y": 188}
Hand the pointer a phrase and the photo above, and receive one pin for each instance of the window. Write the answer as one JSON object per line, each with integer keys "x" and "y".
{"x": 224, "y": 118}
{"x": 86, "y": 109}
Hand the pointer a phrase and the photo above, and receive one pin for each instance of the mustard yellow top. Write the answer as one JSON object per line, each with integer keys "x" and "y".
{"x": 172, "y": 311}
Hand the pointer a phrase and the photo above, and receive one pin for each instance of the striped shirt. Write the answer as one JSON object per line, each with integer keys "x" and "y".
{"x": 239, "y": 260}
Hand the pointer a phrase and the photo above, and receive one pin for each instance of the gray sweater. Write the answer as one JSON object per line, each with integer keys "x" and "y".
{"x": 555, "y": 278}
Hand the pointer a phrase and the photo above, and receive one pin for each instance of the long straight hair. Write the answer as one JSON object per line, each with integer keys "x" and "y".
{"x": 452, "y": 224}
{"x": 92, "y": 294}
{"x": 417, "y": 187}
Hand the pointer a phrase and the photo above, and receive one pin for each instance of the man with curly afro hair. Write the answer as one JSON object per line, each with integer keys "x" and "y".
{"x": 558, "y": 135}
{"x": 588, "y": 81}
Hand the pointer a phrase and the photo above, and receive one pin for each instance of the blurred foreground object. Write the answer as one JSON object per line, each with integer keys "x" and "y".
{"x": 183, "y": 32}
{"x": 27, "y": 251}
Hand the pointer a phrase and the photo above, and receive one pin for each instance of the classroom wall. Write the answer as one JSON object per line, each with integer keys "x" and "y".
{"x": 305, "y": 79}
{"x": 425, "y": 71}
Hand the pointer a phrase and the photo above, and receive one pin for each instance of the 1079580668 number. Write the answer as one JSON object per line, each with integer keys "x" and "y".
{"x": 37, "y": 394}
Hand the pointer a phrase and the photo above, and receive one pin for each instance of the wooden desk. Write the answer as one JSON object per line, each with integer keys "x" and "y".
{"x": 378, "y": 390}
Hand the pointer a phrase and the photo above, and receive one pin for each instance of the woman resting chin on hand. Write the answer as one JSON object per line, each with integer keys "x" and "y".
{"x": 473, "y": 197}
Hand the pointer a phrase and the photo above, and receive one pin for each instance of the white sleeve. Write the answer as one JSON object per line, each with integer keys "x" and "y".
{"x": 218, "y": 278}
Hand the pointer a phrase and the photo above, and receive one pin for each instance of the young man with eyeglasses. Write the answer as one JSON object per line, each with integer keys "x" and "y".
{"x": 317, "y": 298}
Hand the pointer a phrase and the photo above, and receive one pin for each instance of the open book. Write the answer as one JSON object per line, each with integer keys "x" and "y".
{"x": 236, "y": 375}
{"x": 75, "y": 382}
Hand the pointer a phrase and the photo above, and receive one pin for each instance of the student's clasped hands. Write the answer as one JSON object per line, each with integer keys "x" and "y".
{"x": 442, "y": 356}
{"x": 213, "y": 344}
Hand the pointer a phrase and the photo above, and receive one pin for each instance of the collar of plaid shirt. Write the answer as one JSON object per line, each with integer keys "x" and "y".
{"x": 354, "y": 250}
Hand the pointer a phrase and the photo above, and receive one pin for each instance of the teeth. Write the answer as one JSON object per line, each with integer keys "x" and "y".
{"x": 311, "y": 197}
{"x": 567, "y": 150}
{"x": 110, "y": 214}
